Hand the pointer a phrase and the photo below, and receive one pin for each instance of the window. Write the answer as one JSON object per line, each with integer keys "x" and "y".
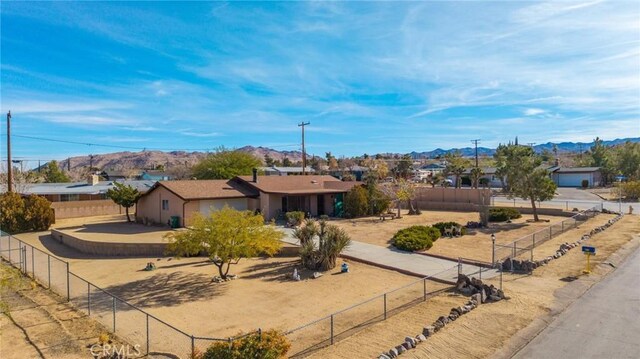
{"x": 69, "y": 197}
{"x": 165, "y": 204}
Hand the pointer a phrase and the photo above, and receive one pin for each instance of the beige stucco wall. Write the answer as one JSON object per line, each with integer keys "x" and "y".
{"x": 74, "y": 209}
{"x": 452, "y": 195}
{"x": 150, "y": 207}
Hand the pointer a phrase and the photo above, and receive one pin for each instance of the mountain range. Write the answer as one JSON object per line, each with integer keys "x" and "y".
{"x": 180, "y": 159}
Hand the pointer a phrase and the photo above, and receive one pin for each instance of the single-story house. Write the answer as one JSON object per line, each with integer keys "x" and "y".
{"x": 285, "y": 171}
{"x": 80, "y": 199}
{"x": 573, "y": 176}
{"x": 489, "y": 177}
{"x": 270, "y": 195}
{"x": 91, "y": 190}
{"x": 156, "y": 175}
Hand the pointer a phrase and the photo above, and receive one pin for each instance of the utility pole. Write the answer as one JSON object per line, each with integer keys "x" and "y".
{"x": 531, "y": 144}
{"x": 69, "y": 164}
{"x": 90, "y": 163}
{"x": 9, "y": 163}
{"x": 476, "y": 143}
{"x": 304, "y": 155}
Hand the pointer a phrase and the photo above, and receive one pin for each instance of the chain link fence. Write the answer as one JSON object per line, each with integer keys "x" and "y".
{"x": 326, "y": 331}
{"x": 528, "y": 243}
{"x": 149, "y": 334}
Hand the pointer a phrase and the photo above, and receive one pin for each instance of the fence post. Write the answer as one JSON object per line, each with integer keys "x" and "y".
{"x": 68, "y": 287}
{"x": 9, "y": 249}
{"x": 385, "y": 306}
{"x": 147, "y": 334}
{"x": 89, "y": 298}
{"x": 33, "y": 266}
{"x": 424, "y": 289}
{"x": 562, "y": 223}
{"x": 193, "y": 347}
{"x": 500, "y": 276}
{"x": 550, "y": 231}
{"x": 48, "y": 271}
{"x": 533, "y": 246}
{"x": 114, "y": 314}
{"x": 331, "y": 329}
{"x": 566, "y": 205}
{"x": 24, "y": 259}
{"x": 459, "y": 267}
{"x": 513, "y": 256}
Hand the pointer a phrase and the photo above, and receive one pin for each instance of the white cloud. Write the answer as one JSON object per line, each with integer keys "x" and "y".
{"x": 533, "y": 111}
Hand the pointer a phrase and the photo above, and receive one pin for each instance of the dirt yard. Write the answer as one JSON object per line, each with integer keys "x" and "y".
{"x": 180, "y": 291}
{"x": 476, "y": 244}
{"x": 486, "y": 330}
{"x": 40, "y": 324}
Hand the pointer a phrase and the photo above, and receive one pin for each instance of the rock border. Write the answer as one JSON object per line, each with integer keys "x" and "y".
{"x": 480, "y": 293}
{"x": 527, "y": 266}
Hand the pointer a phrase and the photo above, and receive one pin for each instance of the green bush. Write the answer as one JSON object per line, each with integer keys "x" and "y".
{"x": 295, "y": 218}
{"x": 442, "y": 225}
{"x": 272, "y": 344}
{"x": 415, "y": 238}
{"x": 18, "y": 214}
{"x": 501, "y": 214}
{"x": 356, "y": 202}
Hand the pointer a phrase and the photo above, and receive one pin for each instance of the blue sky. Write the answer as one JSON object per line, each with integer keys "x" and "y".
{"x": 369, "y": 76}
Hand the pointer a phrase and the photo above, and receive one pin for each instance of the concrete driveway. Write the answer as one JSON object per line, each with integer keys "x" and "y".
{"x": 570, "y": 194}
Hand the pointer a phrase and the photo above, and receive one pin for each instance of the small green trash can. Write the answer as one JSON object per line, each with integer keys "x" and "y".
{"x": 175, "y": 221}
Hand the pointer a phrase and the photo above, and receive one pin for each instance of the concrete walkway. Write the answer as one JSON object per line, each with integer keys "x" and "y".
{"x": 410, "y": 263}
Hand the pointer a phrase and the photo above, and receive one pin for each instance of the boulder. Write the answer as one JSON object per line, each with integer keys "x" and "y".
{"x": 421, "y": 337}
{"x": 428, "y": 331}
{"x": 477, "y": 298}
{"x": 463, "y": 279}
{"x": 483, "y": 296}
{"x": 384, "y": 356}
{"x": 452, "y": 317}
{"x": 401, "y": 349}
{"x": 494, "y": 298}
{"x": 501, "y": 294}
{"x": 407, "y": 345}
{"x": 393, "y": 353}
{"x": 411, "y": 340}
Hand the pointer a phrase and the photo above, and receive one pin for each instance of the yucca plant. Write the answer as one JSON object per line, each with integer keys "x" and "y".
{"x": 331, "y": 242}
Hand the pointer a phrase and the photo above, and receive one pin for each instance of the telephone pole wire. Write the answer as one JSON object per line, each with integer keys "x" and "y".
{"x": 476, "y": 144}
{"x": 304, "y": 155}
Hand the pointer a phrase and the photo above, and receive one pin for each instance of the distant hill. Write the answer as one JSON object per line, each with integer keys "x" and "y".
{"x": 180, "y": 160}
{"x": 484, "y": 151}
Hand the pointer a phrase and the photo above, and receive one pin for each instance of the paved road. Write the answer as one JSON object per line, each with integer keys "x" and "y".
{"x": 603, "y": 323}
{"x": 405, "y": 261}
{"x": 570, "y": 204}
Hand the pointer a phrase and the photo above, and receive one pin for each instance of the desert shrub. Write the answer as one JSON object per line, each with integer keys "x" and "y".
{"x": 295, "y": 218}
{"x": 331, "y": 242}
{"x": 585, "y": 183}
{"x": 356, "y": 202}
{"x": 630, "y": 190}
{"x": 415, "y": 238}
{"x": 18, "y": 214}
{"x": 379, "y": 202}
{"x": 501, "y": 214}
{"x": 272, "y": 344}
{"x": 483, "y": 181}
{"x": 442, "y": 225}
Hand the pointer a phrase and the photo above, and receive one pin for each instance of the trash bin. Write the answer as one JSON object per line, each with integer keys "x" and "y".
{"x": 175, "y": 221}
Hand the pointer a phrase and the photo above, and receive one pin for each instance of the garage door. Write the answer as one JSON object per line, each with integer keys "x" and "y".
{"x": 572, "y": 179}
{"x": 237, "y": 203}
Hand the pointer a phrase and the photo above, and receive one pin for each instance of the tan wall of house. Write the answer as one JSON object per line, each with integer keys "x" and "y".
{"x": 74, "y": 209}
{"x": 328, "y": 204}
{"x": 150, "y": 207}
{"x": 275, "y": 205}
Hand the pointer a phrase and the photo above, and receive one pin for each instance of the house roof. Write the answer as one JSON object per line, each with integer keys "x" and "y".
{"x": 206, "y": 189}
{"x": 298, "y": 184}
{"x": 288, "y": 169}
{"x": 81, "y": 187}
{"x": 577, "y": 169}
{"x": 485, "y": 170}
{"x": 432, "y": 166}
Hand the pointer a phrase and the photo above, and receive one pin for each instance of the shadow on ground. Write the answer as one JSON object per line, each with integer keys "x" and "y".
{"x": 162, "y": 290}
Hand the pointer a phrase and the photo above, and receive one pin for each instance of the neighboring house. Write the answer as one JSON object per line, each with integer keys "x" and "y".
{"x": 121, "y": 175}
{"x": 573, "y": 176}
{"x": 155, "y": 175}
{"x": 423, "y": 173}
{"x": 489, "y": 176}
{"x": 270, "y": 195}
{"x": 285, "y": 171}
{"x": 81, "y": 199}
{"x": 357, "y": 172}
{"x": 79, "y": 191}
